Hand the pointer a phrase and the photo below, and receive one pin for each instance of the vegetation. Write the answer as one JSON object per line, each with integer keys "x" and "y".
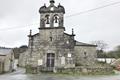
{"x": 111, "y": 54}
{"x": 101, "y": 46}
{"x": 19, "y": 50}
{"x": 32, "y": 70}
{"x": 115, "y": 53}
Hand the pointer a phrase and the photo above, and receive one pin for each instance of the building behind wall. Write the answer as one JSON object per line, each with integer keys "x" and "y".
{"x": 52, "y": 48}
{"x": 6, "y": 60}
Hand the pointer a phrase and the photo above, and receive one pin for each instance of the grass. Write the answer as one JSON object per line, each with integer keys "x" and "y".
{"x": 79, "y": 74}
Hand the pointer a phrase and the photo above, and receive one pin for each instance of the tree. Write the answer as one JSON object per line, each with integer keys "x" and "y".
{"x": 111, "y": 54}
{"x": 101, "y": 46}
{"x": 23, "y": 46}
{"x": 18, "y": 51}
{"x": 114, "y": 53}
{"x": 117, "y": 51}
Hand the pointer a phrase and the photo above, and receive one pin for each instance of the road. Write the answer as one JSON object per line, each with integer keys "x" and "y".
{"x": 20, "y": 75}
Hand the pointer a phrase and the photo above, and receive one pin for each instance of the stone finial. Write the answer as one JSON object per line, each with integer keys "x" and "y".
{"x": 72, "y": 31}
{"x": 59, "y": 4}
{"x": 52, "y": 1}
{"x": 30, "y": 32}
{"x": 44, "y": 4}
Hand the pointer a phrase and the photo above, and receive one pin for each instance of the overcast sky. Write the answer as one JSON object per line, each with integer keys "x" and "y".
{"x": 17, "y": 17}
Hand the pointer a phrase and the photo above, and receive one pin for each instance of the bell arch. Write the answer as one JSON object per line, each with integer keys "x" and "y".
{"x": 56, "y": 21}
{"x": 47, "y": 20}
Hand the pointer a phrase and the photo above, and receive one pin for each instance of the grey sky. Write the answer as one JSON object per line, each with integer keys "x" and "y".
{"x": 102, "y": 24}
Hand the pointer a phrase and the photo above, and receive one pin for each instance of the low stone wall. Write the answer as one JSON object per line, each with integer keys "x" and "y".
{"x": 86, "y": 70}
{"x": 31, "y": 70}
{"x": 77, "y": 70}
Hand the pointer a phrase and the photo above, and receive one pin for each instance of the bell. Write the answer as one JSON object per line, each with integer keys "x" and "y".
{"x": 47, "y": 21}
{"x": 56, "y": 20}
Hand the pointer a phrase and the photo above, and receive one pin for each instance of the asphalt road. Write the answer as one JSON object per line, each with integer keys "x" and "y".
{"x": 20, "y": 75}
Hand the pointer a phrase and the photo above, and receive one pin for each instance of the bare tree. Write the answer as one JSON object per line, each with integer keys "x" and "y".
{"x": 101, "y": 46}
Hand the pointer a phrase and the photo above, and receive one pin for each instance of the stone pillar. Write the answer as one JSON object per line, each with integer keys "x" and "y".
{"x": 42, "y": 23}
{"x": 61, "y": 22}
{"x": 51, "y": 21}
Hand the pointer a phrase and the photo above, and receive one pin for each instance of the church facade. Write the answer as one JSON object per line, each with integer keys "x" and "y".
{"x": 52, "y": 48}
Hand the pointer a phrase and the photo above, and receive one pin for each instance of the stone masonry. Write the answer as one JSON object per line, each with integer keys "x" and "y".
{"x": 52, "y": 48}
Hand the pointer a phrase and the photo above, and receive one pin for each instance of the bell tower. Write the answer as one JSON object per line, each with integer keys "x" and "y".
{"x": 52, "y": 16}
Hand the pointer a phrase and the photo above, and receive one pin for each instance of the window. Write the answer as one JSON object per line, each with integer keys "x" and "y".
{"x": 85, "y": 55}
{"x": 40, "y": 62}
{"x": 67, "y": 42}
{"x": 51, "y": 36}
{"x": 52, "y": 8}
{"x": 69, "y": 55}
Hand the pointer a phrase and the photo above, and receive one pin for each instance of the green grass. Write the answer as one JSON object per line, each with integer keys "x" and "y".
{"x": 80, "y": 74}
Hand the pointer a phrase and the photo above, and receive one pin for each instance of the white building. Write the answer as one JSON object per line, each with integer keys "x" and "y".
{"x": 6, "y": 60}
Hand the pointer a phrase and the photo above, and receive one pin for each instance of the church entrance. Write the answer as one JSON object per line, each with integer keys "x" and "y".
{"x": 50, "y": 61}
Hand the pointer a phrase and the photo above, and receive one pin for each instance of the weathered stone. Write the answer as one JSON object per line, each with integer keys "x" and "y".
{"x": 52, "y": 44}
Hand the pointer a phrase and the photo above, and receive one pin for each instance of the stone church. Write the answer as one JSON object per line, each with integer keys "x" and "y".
{"x": 52, "y": 48}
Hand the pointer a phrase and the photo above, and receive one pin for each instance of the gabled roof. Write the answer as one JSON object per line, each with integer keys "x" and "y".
{"x": 84, "y": 44}
{"x": 4, "y": 51}
{"x": 36, "y": 34}
{"x": 69, "y": 34}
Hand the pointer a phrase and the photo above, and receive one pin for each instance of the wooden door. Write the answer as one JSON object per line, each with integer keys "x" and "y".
{"x": 50, "y": 61}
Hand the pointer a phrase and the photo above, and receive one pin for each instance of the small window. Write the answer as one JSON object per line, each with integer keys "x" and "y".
{"x": 40, "y": 62}
{"x": 69, "y": 55}
{"x": 51, "y": 36}
{"x": 52, "y": 8}
{"x": 85, "y": 55}
{"x": 67, "y": 42}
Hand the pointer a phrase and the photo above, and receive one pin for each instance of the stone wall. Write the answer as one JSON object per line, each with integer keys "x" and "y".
{"x": 86, "y": 70}
{"x": 85, "y": 55}
{"x": 61, "y": 44}
{"x": 22, "y": 59}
